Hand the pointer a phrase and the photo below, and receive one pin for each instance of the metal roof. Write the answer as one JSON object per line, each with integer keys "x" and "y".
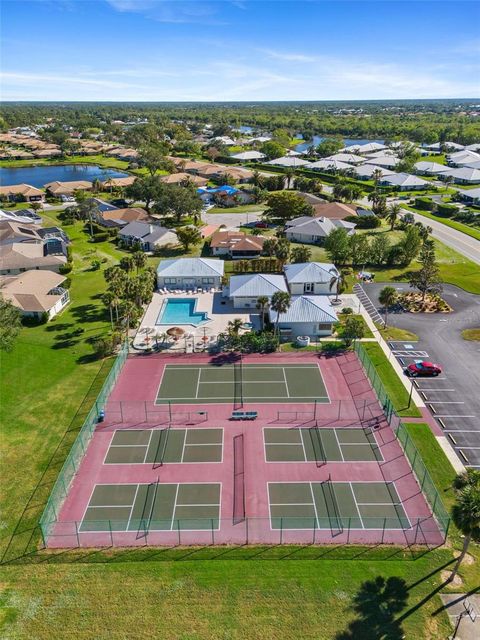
{"x": 310, "y": 272}
{"x": 256, "y": 284}
{"x": 306, "y": 309}
{"x": 190, "y": 267}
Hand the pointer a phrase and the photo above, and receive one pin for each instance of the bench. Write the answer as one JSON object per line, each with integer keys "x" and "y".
{"x": 244, "y": 415}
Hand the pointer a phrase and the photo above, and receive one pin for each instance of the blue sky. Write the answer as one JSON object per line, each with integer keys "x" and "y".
{"x": 149, "y": 50}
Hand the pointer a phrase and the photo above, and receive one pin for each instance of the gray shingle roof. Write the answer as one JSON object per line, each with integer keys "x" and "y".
{"x": 305, "y": 309}
{"x": 310, "y": 272}
{"x": 190, "y": 267}
{"x": 256, "y": 284}
{"x": 147, "y": 232}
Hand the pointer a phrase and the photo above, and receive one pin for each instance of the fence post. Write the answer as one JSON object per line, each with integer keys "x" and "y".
{"x": 348, "y": 532}
{"x": 213, "y": 532}
{"x": 281, "y": 530}
{"x": 178, "y": 532}
{"x": 76, "y": 534}
{"x": 314, "y": 529}
{"x": 111, "y": 532}
{"x": 383, "y": 530}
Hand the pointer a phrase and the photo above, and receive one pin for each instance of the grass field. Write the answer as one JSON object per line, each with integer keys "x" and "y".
{"x": 454, "y": 224}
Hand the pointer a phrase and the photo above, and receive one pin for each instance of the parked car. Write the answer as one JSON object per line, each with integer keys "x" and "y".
{"x": 120, "y": 203}
{"x": 261, "y": 225}
{"x": 423, "y": 368}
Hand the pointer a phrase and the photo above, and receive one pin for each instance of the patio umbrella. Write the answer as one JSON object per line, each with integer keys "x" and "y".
{"x": 175, "y": 332}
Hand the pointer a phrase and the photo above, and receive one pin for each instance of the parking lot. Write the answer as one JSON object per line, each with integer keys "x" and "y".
{"x": 453, "y": 397}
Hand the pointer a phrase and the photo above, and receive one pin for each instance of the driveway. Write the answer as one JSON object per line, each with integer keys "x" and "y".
{"x": 453, "y": 397}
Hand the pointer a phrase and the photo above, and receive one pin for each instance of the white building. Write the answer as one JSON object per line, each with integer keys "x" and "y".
{"x": 36, "y": 293}
{"x": 313, "y": 278}
{"x": 314, "y": 230}
{"x": 311, "y": 316}
{"x": 245, "y": 290}
{"x": 189, "y": 273}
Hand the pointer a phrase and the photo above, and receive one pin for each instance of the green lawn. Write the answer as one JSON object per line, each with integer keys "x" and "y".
{"x": 454, "y": 224}
{"x": 397, "y": 392}
{"x": 242, "y": 208}
{"x": 394, "y": 333}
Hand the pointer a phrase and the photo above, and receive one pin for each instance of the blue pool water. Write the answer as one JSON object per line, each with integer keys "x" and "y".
{"x": 177, "y": 311}
{"x": 38, "y": 176}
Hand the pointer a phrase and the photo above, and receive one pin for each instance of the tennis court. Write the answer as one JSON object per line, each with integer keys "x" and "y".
{"x": 153, "y": 507}
{"x": 252, "y": 383}
{"x": 165, "y": 446}
{"x": 336, "y": 505}
{"x": 321, "y": 445}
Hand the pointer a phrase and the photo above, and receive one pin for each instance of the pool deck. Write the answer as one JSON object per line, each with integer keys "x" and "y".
{"x": 220, "y": 311}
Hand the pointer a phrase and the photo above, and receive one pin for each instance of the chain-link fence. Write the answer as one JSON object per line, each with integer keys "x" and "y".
{"x": 79, "y": 448}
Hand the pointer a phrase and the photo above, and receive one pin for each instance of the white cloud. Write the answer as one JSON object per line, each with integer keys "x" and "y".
{"x": 171, "y": 11}
{"x": 288, "y": 57}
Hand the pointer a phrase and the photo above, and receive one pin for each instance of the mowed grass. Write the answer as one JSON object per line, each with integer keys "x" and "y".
{"x": 394, "y": 388}
{"x": 263, "y": 598}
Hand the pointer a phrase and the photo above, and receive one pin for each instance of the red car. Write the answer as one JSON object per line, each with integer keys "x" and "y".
{"x": 261, "y": 225}
{"x": 423, "y": 369}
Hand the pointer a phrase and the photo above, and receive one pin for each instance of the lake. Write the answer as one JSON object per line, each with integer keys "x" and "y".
{"x": 39, "y": 176}
{"x": 303, "y": 146}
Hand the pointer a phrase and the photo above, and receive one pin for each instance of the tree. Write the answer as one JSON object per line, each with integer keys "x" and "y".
{"x": 286, "y": 205}
{"x": 387, "y": 298}
{"x": 301, "y": 254}
{"x": 427, "y": 279}
{"x": 117, "y": 279}
{"x": 377, "y": 175}
{"x": 329, "y": 147}
{"x": 262, "y": 305}
{"x": 178, "y": 200}
{"x": 466, "y": 517}
{"x": 108, "y": 300}
{"x": 379, "y": 207}
{"x": 282, "y": 251}
{"x": 153, "y": 158}
{"x": 10, "y": 324}
{"x": 359, "y": 249}
{"x": 188, "y": 236}
{"x": 269, "y": 246}
{"x": 234, "y": 326}
{"x": 139, "y": 259}
{"x": 145, "y": 190}
{"x": 280, "y": 303}
{"x": 353, "y": 329}
{"x": 379, "y": 249}
{"x": 289, "y": 174}
{"x": 213, "y": 153}
{"x": 127, "y": 263}
{"x": 339, "y": 281}
{"x": 272, "y": 149}
{"x": 411, "y": 243}
{"x": 393, "y": 213}
{"x": 468, "y": 478}
{"x": 337, "y": 245}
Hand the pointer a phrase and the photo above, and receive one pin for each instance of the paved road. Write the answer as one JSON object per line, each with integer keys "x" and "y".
{"x": 466, "y": 245}
{"x": 453, "y": 397}
{"x": 231, "y": 220}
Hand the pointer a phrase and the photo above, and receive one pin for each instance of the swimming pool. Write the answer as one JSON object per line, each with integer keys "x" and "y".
{"x": 181, "y": 311}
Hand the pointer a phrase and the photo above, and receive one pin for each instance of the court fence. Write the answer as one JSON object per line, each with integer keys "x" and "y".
{"x": 334, "y": 529}
{"x": 79, "y": 448}
{"x": 411, "y": 452}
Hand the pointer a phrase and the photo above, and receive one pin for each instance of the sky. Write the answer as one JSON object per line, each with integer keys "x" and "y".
{"x": 238, "y": 50}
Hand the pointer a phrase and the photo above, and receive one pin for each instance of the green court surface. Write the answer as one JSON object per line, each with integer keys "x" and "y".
{"x": 336, "y": 506}
{"x": 265, "y": 383}
{"x": 165, "y": 446}
{"x": 154, "y": 507}
{"x": 321, "y": 445}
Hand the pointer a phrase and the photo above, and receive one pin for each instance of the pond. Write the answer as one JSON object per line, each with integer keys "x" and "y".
{"x": 39, "y": 176}
{"x": 303, "y": 146}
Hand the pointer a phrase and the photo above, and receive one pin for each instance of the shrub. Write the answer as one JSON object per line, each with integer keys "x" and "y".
{"x": 424, "y": 203}
{"x": 95, "y": 265}
{"x": 65, "y": 268}
{"x": 446, "y": 210}
{"x": 347, "y": 311}
{"x": 101, "y": 237}
{"x": 365, "y": 222}
{"x": 396, "y": 255}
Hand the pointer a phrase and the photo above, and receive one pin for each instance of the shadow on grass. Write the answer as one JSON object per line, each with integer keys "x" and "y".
{"x": 376, "y": 606}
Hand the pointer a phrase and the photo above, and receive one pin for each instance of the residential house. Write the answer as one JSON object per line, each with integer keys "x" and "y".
{"x": 311, "y": 316}
{"x": 22, "y": 216}
{"x": 23, "y": 256}
{"x": 462, "y": 157}
{"x": 330, "y": 165}
{"x": 429, "y": 168}
{"x": 147, "y": 236}
{"x": 405, "y": 182}
{"x": 471, "y": 196}
{"x": 36, "y": 293}
{"x": 349, "y": 158}
{"x": 311, "y": 230}
{"x": 366, "y": 171}
{"x": 188, "y": 273}
{"x": 249, "y": 156}
{"x": 236, "y": 244}
{"x": 334, "y": 210}
{"x": 245, "y": 290}
{"x": 364, "y": 149}
{"x": 182, "y": 177}
{"x": 12, "y": 232}
{"x": 117, "y": 183}
{"x": 22, "y": 193}
{"x": 461, "y": 175}
{"x": 313, "y": 278}
{"x": 58, "y": 189}
{"x": 121, "y": 217}
{"x": 386, "y": 161}
{"x": 288, "y": 161}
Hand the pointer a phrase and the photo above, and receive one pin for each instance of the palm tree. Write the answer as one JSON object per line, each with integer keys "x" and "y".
{"x": 466, "y": 517}
{"x": 339, "y": 281}
{"x": 262, "y": 304}
{"x": 289, "y": 175}
{"x": 469, "y": 478}
{"x": 393, "y": 212}
{"x": 387, "y": 298}
{"x": 129, "y": 310}
{"x": 107, "y": 299}
{"x": 280, "y": 303}
{"x": 282, "y": 251}
{"x": 140, "y": 260}
{"x": 234, "y": 326}
{"x": 127, "y": 263}
{"x": 301, "y": 254}
{"x": 376, "y": 177}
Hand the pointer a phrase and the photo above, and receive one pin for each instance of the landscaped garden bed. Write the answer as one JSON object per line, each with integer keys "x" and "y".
{"x": 418, "y": 303}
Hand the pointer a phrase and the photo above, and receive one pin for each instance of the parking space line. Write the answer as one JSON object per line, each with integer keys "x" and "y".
{"x": 453, "y": 416}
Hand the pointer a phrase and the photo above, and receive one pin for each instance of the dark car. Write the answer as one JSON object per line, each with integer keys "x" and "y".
{"x": 423, "y": 368}
{"x": 120, "y": 203}
{"x": 261, "y": 225}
